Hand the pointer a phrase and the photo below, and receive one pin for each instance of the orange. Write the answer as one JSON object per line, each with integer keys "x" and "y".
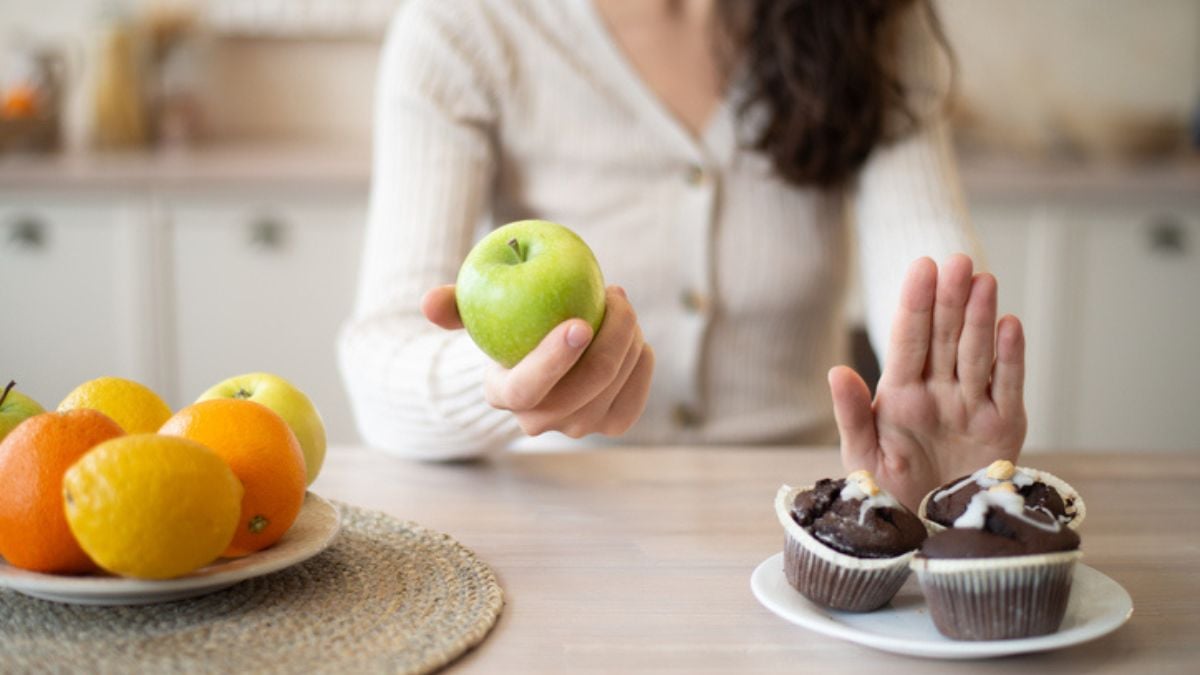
{"x": 130, "y": 404}
{"x": 19, "y": 102}
{"x": 33, "y": 458}
{"x": 263, "y": 453}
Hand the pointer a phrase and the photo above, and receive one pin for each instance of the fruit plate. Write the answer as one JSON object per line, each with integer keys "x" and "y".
{"x": 1097, "y": 606}
{"x": 314, "y": 530}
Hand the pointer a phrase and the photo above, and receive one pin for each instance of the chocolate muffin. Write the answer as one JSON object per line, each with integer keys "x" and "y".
{"x": 851, "y": 522}
{"x": 848, "y": 542}
{"x": 1043, "y": 492}
{"x": 1003, "y": 571}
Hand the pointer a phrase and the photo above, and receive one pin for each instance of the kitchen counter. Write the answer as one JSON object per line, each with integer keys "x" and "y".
{"x": 1011, "y": 177}
{"x": 263, "y": 164}
{"x": 234, "y": 165}
{"x": 639, "y": 559}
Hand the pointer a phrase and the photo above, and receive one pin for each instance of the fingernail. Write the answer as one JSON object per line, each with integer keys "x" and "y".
{"x": 578, "y": 335}
{"x": 621, "y": 290}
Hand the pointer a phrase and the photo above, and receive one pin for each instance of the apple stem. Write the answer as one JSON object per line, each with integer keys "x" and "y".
{"x": 516, "y": 247}
{"x": 11, "y": 384}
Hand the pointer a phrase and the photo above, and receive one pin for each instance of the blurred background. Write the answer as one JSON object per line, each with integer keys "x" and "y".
{"x": 183, "y": 186}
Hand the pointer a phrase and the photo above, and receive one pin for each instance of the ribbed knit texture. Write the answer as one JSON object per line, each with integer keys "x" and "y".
{"x": 490, "y": 111}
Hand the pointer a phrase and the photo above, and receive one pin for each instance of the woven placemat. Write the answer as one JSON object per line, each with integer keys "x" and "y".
{"x": 387, "y": 596}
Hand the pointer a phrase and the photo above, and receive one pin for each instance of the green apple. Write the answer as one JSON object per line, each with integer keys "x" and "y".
{"x": 15, "y": 408}
{"x": 288, "y": 402}
{"x": 522, "y": 280}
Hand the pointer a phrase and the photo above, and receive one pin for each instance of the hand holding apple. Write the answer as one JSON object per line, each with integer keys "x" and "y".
{"x": 564, "y": 384}
{"x": 531, "y": 295}
{"x": 15, "y": 408}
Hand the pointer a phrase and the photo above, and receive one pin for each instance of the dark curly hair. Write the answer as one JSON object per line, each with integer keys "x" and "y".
{"x": 826, "y": 72}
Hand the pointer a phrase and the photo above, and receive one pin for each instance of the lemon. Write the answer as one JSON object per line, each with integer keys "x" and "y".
{"x": 151, "y": 506}
{"x": 135, "y": 407}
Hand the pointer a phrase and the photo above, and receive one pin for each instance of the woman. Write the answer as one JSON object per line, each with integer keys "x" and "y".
{"x": 727, "y": 160}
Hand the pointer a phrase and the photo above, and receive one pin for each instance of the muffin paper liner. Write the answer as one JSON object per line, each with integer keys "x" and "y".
{"x": 1063, "y": 488}
{"x": 831, "y": 578}
{"x": 997, "y": 598}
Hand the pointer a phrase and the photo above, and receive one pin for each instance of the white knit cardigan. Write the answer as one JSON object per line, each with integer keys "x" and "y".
{"x": 490, "y": 111}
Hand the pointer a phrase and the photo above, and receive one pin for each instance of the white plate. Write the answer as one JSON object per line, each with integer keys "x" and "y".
{"x": 1098, "y": 605}
{"x": 313, "y": 531}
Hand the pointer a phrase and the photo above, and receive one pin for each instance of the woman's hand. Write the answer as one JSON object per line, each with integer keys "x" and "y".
{"x": 563, "y": 385}
{"x": 950, "y": 396}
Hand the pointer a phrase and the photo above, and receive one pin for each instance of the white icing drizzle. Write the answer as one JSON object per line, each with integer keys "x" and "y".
{"x": 852, "y": 490}
{"x": 942, "y": 494}
{"x": 1022, "y": 478}
{"x": 1011, "y": 502}
{"x": 1019, "y": 478}
{"x": 1045, "y": 511}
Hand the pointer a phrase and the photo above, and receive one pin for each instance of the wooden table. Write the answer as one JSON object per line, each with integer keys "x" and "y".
{"x": 624, "y": 560}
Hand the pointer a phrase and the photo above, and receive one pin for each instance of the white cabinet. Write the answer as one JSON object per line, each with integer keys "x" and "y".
{"x": 263, "y": 284}
{"x": 73, "y": 284}
{"x": 179, "y": 290}
{"x": 1135, "y": 369}
{"x": 1106, "y": 285}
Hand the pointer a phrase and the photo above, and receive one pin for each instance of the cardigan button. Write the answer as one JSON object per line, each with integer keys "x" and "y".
{"x": 693, "y": 301}
{"x": 686, "y": 416}
{"x": 695, "y": 175}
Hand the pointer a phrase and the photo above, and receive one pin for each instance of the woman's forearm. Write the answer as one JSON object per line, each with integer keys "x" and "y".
{"x": 416, "y": 389}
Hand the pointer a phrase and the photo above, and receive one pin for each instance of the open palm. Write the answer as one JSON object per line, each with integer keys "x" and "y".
{"x": 950, "y": 396}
